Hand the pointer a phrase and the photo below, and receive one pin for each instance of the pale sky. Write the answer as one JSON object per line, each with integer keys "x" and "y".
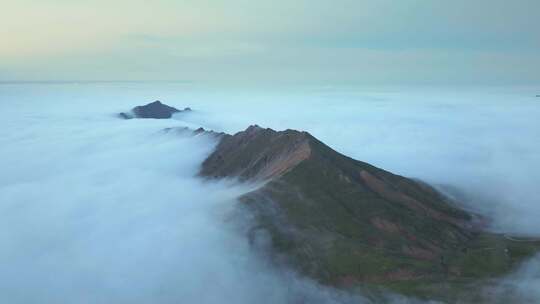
{"x": 361, "y": 41}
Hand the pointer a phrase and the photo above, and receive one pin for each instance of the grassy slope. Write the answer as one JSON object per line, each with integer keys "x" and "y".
{"x": 324, "y": 230}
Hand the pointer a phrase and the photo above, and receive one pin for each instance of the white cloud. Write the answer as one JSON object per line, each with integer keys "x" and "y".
{"x": 94, "y": 208}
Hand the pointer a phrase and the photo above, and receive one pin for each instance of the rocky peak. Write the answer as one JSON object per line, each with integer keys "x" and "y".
{"x": 154, "y": 109}
{"x": 257, "y": 153}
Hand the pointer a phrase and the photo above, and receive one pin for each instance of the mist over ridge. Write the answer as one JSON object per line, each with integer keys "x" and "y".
{"x": 95, "y": 209}
{"x": 420, "y": 132}
{"x": 464, "y": 137}
{"x": 74, "y": 176}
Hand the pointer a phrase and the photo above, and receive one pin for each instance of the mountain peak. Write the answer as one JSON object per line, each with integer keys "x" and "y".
{"x": 154, "y": 109}
{"x": 253, "y": 128}
{"x": 257, "y": 154}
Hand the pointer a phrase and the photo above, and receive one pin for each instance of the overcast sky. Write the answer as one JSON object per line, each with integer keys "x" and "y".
{"x": 314, "y": 41}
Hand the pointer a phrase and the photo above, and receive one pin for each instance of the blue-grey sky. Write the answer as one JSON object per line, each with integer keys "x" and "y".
{"x": 364, "y": 41}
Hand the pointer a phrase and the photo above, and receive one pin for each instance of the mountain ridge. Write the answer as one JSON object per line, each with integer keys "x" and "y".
{"x": 347, "y": 223}
{"x": 354, "y": 226}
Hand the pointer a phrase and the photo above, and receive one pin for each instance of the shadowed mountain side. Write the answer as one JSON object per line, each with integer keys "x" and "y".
{"x": 152, "y": 110}
{"x": 349, "y": 224}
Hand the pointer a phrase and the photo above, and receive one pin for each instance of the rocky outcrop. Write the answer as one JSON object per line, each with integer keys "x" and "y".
{"x": 199, "y": 131}
{"x": 154, "y": 109}
{"x": 347, "y": 223}
{"x": 257, "y": 154}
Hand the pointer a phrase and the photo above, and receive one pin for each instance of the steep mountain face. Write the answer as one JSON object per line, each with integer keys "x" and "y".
{"x": 152, "y": 110}
{"x": 349, "y": 224}
{"x": 264, "y": 154}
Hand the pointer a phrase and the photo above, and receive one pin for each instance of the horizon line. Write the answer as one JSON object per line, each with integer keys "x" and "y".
{"x": 88, "y": 81}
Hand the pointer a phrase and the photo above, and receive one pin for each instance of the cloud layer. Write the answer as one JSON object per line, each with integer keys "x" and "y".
{"x": 483, "y": 140}
{"x": 93, "y": 208}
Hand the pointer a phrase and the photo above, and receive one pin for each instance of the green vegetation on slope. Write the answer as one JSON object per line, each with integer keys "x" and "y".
{"x": 351, "y": 225}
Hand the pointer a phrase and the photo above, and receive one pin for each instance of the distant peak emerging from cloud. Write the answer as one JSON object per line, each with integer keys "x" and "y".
{"x": 154, "y": 109}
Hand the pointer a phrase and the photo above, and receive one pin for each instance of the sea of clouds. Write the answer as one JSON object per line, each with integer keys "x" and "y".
{"x": 95, "y": 209}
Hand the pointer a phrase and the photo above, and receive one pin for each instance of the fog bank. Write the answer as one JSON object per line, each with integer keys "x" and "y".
{"x": 94, "y": 209}
{"x": 97, "y": 209}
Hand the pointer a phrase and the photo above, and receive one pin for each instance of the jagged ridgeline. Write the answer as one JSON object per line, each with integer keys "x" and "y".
{"x": 351, "y": 225}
